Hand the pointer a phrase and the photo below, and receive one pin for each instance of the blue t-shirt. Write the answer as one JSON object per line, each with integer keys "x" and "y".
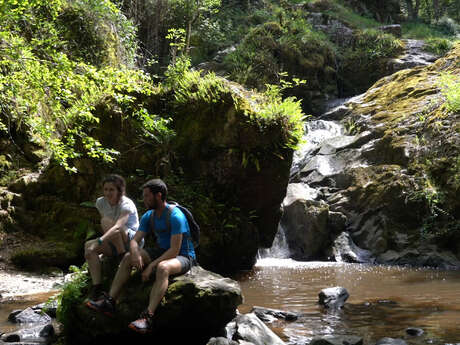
{"x": 179, "y": 225}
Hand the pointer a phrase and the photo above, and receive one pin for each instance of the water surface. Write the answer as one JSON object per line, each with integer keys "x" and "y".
{"x": 383, "y": 302}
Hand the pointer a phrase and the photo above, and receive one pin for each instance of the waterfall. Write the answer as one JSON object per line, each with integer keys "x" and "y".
{"x": 279, "y": 248}
{"x": 316, "y": 133}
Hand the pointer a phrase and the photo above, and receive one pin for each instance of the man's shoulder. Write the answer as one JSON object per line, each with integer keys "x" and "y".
{"x": 176, "y": 211}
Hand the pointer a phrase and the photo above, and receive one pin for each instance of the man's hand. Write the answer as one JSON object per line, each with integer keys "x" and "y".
{"x": 147, "y": 272}
{"x": 136, "y": 261}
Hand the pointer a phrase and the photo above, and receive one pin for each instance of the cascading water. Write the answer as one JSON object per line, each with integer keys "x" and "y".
{"x": 316, "y": 132}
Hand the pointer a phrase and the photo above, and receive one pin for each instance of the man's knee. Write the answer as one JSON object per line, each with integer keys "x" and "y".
{"x": 168, "y": 267}
{"x": 126, "y": 260}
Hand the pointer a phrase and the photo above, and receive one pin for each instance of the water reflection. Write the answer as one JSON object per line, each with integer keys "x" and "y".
{"x": 383, "y": 302}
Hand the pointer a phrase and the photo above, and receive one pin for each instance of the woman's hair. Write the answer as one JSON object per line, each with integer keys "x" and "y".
{"x": 118, "y": 181}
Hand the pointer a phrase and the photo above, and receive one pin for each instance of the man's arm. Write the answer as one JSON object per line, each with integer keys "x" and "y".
{"x": 136, "y": 257}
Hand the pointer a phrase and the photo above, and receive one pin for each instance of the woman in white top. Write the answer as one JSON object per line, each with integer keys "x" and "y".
{"x": 119, "y": 223}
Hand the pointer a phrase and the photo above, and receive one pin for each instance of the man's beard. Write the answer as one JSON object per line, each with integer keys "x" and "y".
{"x": 153, "y": 205}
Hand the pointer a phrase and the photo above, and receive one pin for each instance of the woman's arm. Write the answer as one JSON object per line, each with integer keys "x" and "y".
{"x": 118, "y": 226}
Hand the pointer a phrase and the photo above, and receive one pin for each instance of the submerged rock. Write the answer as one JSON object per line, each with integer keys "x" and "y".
{"x": 333, "y": 298}
{"x": 414, "y": 332}
{"x": 391, "y": 341}
{"x": 269, "y": 315}
{"x": 202, "y": 301}
{"x": 43, "y": 334}
{"x": 29, "y": 315}
{"x": 337, "y": 340}
{"x": 248, "y": 328}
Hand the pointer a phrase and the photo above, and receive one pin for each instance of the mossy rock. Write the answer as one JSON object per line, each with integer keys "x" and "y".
{"x": 201, "y": 301}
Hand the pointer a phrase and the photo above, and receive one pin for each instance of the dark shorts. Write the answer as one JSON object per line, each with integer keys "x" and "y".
{"x": 185, "y": 261}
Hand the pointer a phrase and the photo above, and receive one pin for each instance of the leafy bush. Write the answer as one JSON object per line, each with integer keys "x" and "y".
{"x": 447, "y": 26}
{"x": 375, "y": 44}
{"x": 73, "y": 292}
{"x": 50, "y": 95}
{"x": 438, "y": 46}
{"x": 420, "y": 30}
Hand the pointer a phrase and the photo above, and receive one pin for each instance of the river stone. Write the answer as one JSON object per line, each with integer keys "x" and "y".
{"x": 249, "y": 328}
{"x": 42, "y": 334}
{"x": 29, "y": 316}
{"x": 414, "y": 332}
{"x": 390, "y": 341}
{"x": 337, "y": 340}
{"x": 345, "y": 250}
{"x": 221, "y": 341}
{"x": 200, "y": 300}
{"x": 269, "y": 315}
{"x": 333, "y": 298}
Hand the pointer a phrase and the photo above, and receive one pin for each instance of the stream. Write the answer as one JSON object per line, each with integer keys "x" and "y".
{"x": 384, "y": 300}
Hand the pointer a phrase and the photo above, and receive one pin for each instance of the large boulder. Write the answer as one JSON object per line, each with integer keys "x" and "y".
{"x": 199, "y": 300}
{"x": 226, "y": 162}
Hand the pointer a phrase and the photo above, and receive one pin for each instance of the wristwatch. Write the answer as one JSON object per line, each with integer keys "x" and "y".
{"x": 99, "y": 240}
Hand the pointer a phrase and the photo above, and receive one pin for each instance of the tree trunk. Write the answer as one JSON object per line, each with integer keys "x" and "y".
{"x": 187, "y": 40}
{"x": 436, "y": 13}
{"x": 412, "y": 12}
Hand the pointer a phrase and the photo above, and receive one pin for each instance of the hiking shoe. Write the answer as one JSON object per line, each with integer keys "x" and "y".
{"x": 144, "y": 324}
{"x": 96, "y": 292}
{"x": 105, "y": 305}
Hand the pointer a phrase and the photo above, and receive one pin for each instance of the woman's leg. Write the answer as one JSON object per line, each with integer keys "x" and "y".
{"x": 117, "y": 238}
{"x": 92, "y": 251}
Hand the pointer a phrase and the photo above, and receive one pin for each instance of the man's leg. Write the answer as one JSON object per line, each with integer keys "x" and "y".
{"x": 163, "y": 270}
{"x": 124, "y": 272}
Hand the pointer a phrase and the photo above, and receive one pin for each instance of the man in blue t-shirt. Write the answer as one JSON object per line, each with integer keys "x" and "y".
{"x": 174, "y": 256}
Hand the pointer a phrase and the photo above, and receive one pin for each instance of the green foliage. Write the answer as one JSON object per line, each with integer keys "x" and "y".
{"x": 374, "y": 44}
{"x": 49, "y": 93}
{"x": 450, "y": 87}
{"x": 272, "y": 48}
{"x": 422, "y": 30}
{"x": 438, "y": 46}
{"x": 97, "y": 32}
{"x": 346, "y": 15}
{"x": 73, "y": 292}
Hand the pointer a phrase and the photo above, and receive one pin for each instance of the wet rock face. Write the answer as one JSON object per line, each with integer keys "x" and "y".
{"x": 377, "y": 176}
{"x": 344, "y": 250}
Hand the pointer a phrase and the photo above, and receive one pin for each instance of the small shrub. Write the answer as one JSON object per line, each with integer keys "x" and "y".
{"x": 447, "y": 26}
{"x": 450, "y": 87}
{"x": 72, "y": 293}
{"x": 438, "y": 46}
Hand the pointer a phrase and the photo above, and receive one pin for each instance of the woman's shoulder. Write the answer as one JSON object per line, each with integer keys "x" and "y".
{"x": 127, "y": 202}
{"x": 100, "y": 201}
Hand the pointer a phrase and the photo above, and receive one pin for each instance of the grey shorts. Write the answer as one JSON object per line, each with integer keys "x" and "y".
{"x": 130, "y": 233}
{"x": 185, "y": 261}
